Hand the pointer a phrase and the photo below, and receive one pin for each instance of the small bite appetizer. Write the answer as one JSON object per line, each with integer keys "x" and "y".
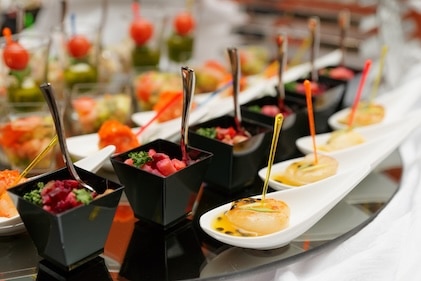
{"x": 7, "y": 179}
{"x": 339, "y": 73}
{"x": 112, "y": 132}
{"x": 57, "y": 196}
{"x": 366, "y": 114}
{"x": 227, "y": 135}
{"x": 341, "y": 139}
{"x": 155, "y": 162}
{"x": 307, "y": 170}
{"x": 253, "y": 217}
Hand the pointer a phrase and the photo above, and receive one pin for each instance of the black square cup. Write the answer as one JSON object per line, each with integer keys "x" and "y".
{"x": 157, "y": 199}
{"x": 294, "y": 126}
{"x": 351, "y": 84}
{"x": 233, "y": 167}
{"x": 76, "y": 236}
{"x": 324, "y": 104}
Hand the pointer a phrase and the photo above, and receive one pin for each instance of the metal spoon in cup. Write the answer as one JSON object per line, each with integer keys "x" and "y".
{"x": 48, "y": 92}
{"x": 189, "y": 81}
{"x": 235, "y": 69}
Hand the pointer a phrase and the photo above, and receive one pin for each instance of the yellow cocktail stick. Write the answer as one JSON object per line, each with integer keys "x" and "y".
{"x": 279, "y": 118}
{"x": 307, "y": 87}
{"x": 36, "y": 159}
{"x": 377, "y": 80}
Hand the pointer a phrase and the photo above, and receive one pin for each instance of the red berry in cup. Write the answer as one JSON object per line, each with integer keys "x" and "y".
{"x": 184, "y": 23}
{"x": 141, "y": 31}
{"x": 78, "y": 46}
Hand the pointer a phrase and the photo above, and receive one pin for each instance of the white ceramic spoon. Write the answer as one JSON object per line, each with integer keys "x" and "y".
{"x": 396, "y": 103}
{"x": 307, "y": 206}
{"x": 92, "y": 163}
{"x": 372, "y": 135}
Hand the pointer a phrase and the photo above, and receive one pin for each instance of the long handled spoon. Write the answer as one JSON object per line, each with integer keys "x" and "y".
{"x": 314, "y": 27}
{"x": 189, "y": 81}
{"x": 279, "y": 118}
{"x": 49, "y": 97}
{"x": 282, "y": 43}
{"x": 235, "y": 69}
{"x": 343, "y": 22}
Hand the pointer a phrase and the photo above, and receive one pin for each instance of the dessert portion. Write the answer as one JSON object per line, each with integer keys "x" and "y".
{"x": 22, "y": 79}
{"x": 249, "y": 217}
{"x": 22, "y": 139}
{"x": 307, "y": 171}
{"x": 180, "y": 42}
{"x": 298, "y": 87}
{"x": 339, "y": 73}
{"x": 149, "y": 85}
{"x": 141, "y": 32}
{"x": 7, "y": 179}
{"x": 154, "y": 162}
{"x": 253, "y": 60}
{"x": 227, "y": 135}
{"x": 366, "y": 114}
{"x": 81, "y": 60}
{"x": 210, "y": 76}
{"x": 112, "y": 132}
{"x": 93, "y": 111}
{"x": 58, "y": 196}
{"x": 341, "y": 139}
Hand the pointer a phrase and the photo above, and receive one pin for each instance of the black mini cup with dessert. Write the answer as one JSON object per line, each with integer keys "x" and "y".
{"x": 295, "y": 124}
{"x": 233, "y": 166}
{"x": 351, "y": 76}
{"x": 157, "y": 199}
{"x": 68, "y": 240}
{"x": 326, "y": 100}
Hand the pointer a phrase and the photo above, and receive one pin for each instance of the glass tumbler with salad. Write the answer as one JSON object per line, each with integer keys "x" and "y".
{"x": 23, "y": 65}
{"x": 80, "y": 53}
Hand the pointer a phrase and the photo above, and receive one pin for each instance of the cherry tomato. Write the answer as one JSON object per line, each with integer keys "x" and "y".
{"x": 141, "y": 31}
{"x": 15, "y": 56}
{"x": 184, "y": 23}
{"x": 78, "y": 46}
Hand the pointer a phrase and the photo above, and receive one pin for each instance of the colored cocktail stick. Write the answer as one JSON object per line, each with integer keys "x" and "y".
{"x": 364, "y": 75}
{"x": 159, "y": 113}
{"x": 279, "y": 118}
{"x": 377, "y": 80}
{"x": 307, "y": 87}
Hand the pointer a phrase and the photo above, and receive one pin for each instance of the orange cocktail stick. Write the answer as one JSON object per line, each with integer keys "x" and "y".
{"x": 366, "y": 69}
{"x": 159, "y": 113}
{"x": 307, "y": 87}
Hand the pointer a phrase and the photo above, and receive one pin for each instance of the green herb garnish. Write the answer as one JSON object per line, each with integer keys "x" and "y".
{"x": 255, "y": 108}
{"x": 34, "y": 196}
{"x": 207, "y": 132}
{"x": 83, "y": 196}
{"x": 140, "y": 158}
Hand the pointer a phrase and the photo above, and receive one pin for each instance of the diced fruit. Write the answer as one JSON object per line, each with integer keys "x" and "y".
{"x": 154, "y": 162}
{"x": 58, "y": 196}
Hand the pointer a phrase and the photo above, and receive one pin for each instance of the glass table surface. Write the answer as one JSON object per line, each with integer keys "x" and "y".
{"x": 137, "y": 250}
